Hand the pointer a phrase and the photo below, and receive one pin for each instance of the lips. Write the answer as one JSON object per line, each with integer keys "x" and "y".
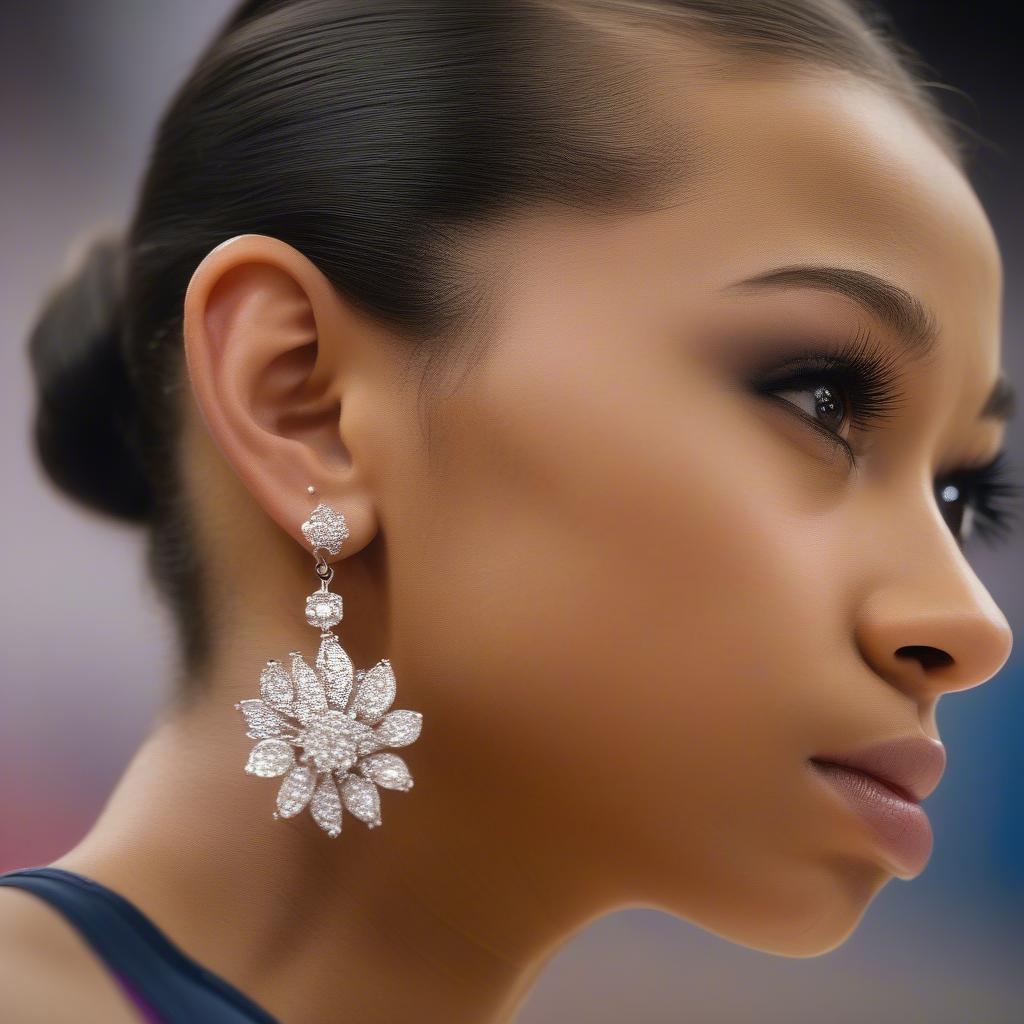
{"x": 911, "y": 766}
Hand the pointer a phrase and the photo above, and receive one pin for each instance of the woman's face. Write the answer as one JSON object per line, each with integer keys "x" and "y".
{"x": 647, "y": 592}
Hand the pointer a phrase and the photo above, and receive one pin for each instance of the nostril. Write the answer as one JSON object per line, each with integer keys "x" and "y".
{"x": 929, "y": 657}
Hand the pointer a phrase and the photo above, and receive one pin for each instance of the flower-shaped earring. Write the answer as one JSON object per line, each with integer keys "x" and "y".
{"x": 338, "y": 719}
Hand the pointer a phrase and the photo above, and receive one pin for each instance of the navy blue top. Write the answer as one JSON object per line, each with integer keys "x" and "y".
{"x": 165, "y": 984}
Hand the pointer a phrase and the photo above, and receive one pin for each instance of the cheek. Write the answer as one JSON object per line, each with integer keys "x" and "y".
{"x": 621, "y": 604}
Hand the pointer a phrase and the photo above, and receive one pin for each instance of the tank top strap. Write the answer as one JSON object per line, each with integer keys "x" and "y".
{"x": 167, "y": 985}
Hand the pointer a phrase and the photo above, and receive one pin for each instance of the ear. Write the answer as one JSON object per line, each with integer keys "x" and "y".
{"x": 268, "y": 343}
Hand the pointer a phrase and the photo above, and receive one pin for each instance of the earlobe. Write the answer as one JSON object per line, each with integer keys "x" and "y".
{"x": 267, "y": 387}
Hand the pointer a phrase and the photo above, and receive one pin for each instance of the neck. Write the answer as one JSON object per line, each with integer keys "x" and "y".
{"x": 446, "y": 912}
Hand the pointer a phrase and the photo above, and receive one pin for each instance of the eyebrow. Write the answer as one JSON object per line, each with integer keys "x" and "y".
{"x": 1001, "y": 403}
{"x": 913, "y": 323}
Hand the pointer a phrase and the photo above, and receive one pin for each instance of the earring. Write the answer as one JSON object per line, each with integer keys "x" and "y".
{"x": 337, "y": 719}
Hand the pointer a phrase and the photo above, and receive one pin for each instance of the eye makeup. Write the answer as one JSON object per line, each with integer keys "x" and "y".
{"x": 860, "y": 375}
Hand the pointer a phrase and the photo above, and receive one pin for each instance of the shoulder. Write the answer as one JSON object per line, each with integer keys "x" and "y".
{"x": 47, "y": 970}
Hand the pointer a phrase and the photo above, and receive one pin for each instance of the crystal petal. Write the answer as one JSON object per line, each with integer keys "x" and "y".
{"x": 400, "y": 728}
{"x": 335, "y": 668}
{"x": 376, "y": 692}
{"x": 270, "y": 758}
{"x": 326, "y": 806}
{"x": 276, "y": 687}
{"x": 295, "y": 791}
{"x": 369, "y": 743}
{"x": 361, "y": 799}
{"x": 387, "y": 770}
{"x": 310, "y": 698}
{"x": 263, "y": 721}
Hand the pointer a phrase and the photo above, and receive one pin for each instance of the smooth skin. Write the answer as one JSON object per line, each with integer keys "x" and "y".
{"x": 630, "y": 596}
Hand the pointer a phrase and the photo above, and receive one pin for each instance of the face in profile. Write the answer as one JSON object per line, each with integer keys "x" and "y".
{"x": 658, "y": 570}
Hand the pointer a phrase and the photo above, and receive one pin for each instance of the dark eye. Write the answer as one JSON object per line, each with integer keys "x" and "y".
{"x": 980, "y": 500}
{"x": 824, "y": 403}
{"x": 838, "y": 392}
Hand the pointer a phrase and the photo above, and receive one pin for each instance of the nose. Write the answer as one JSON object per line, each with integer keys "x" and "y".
{"x": 930, "y": 627}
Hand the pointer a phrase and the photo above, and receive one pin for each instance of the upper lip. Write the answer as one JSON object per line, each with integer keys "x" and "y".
{"x": 912, "y": 765}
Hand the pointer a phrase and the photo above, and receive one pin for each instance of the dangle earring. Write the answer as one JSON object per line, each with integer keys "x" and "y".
{"x": 324, "y": 727}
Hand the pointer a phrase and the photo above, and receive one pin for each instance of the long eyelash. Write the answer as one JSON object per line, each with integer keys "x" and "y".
{"x": 993, "y": 496}
{"x": 866, "y": 372}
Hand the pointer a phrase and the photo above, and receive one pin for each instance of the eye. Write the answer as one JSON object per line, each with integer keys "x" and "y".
{"x": 824, "y": 403}
{"x": 841, "y": 392}
{"x": 979, "y": 499}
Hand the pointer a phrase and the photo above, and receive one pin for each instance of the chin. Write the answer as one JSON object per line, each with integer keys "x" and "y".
{"x": 798, "y": 913}
{"x": 833, "y": 904}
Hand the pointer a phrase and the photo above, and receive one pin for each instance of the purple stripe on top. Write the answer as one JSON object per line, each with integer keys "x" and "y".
{"x": 149, "y": 1015}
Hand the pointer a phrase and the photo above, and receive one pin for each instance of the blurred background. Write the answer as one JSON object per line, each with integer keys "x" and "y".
{"x": 85, "y": 655}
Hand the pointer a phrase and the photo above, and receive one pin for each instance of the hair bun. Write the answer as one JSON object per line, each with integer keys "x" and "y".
{"x": 86, "y": 427}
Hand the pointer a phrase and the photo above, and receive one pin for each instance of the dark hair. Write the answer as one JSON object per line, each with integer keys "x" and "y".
{"x": 378, "y": 137}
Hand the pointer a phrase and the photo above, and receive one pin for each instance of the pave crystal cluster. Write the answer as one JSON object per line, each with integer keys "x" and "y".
{"x": 326, "y": 728}
{"x": 325, "y": 529}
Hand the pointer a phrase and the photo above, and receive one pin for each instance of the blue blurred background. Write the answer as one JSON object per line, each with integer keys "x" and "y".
{"x": 85, "y": 657}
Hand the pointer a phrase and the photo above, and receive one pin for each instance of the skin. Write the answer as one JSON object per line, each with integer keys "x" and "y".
{"x": 630, "y": 596}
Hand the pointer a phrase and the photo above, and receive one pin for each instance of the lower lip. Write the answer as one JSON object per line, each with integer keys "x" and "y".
{"x": 901, "y": 825}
